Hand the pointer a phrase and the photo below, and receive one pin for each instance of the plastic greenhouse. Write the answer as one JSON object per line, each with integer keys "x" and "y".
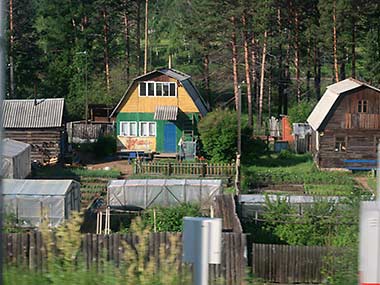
{"x": 15, "y": 159}
{"x": 146, "y": 193}
{"x": 28, "y": 200}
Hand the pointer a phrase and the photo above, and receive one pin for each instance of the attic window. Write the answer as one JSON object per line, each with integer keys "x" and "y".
{"x": 362, "y": 106}
{"x": 159, "y": 89}
{"x": 340, "y": 144}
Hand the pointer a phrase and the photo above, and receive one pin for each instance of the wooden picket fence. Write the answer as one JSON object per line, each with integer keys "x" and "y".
{"x": 28, "y": 250}
{"x": 186, "y": 169}
{"x": 287, "y": 264}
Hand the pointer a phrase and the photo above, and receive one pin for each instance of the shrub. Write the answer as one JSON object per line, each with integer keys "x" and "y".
{"x": 218, "y": 132}
{"x": 104, "y": 146}
{"x": 298, "y": 113}
{"x": 171, "y": 219}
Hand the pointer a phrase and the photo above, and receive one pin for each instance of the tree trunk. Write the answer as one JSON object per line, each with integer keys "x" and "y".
{"x": 105, "y": 51}
{"x": 287, "y": 75}
{"x": 146, "y": 38}
{"x": 297, "y": 56}
{"x": 317, "y": 71}
{"x": 280, "y": 67}
{"x": 138, "y": 36}
{"x": 253, "y": 68}
{"x": 308, "y": 73}
{"x": 127, "y": 41}
{"x": 234, "y": 62}
{"x": 11, "y": 47}
{"x": 270, "y": 95}
{"x": 262, "y": 76}
{"x": 335, "y": 53}
{"x": 206, "y": 77}
{"x": 247, "y": 71}
{"x": 353, "y": 52}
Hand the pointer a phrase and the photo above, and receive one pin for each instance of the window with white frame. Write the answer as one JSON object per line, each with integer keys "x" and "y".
{"x": 128, "y": 129}
{"x": 147, "y": 129}
{"x": 159, "y": 89}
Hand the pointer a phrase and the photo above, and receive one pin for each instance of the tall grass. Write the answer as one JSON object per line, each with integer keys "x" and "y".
{"x": 65, "y": 264}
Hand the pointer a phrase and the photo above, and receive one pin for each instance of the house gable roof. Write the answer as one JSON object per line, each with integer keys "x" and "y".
{"x": 40, "y": 113}
{"x": 183, "y": 78}
{"x": 330, "y": 97}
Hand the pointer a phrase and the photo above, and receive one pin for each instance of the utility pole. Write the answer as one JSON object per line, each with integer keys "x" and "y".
{"x": 238, "y": 153}
{"x": 11, "y": 47}
{"x": 146, "y": 38}
{"x": 2, "y": 92}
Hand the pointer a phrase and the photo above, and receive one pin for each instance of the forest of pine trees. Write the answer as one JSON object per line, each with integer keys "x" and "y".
{"x": 281, "y": 52}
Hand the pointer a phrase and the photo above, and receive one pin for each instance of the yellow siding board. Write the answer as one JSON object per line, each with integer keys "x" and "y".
{"x": 136, "y": 104}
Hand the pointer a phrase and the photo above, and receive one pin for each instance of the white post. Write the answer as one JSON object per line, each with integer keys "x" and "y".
{"x": 201, "y": 258}
{"x": 202, "y": 239}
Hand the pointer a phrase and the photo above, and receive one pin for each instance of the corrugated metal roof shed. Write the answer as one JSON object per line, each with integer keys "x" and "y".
{"x": 167, "y": 113}
{"x": 323, "y": 108}
{"x": 37, "y": 187}
{"x": 40, "y": 113}
{"x": 12, "y": 148}
{"x": 183, "y": 78}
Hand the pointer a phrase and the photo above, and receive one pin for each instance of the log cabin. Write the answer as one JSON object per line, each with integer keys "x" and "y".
{"x": 38, "y": 122}
{"x": 346, "y": 126}
{"x": 157, "y": 109}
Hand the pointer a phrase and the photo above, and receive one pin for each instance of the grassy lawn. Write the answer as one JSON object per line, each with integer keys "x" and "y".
{"x": 288, "y": 168}
{"x": 73, "y": 172}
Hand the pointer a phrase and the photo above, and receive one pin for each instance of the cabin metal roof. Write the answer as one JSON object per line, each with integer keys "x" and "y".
{"x": 330, "y": 97}
{"x": 40, "y": 113}
{"x": 183, "y": 78}
{"x": 12, "y": 148}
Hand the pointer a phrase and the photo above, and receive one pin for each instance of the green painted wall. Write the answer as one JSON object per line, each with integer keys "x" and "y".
{"x": 137, "y": 117}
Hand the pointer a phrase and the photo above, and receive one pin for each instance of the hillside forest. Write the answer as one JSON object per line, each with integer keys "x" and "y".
{"x": 280, "y": 52}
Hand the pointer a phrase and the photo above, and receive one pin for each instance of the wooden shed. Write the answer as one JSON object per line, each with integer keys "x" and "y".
{"x": 346, "y": 126}
{"x": 157, "y": 110}
{"x": 39, "y": 123}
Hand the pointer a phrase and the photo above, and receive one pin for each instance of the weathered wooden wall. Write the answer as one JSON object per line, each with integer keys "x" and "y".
{"x": 78, "y": 132}
{"x": 45, "y": 143}
{"x": 289, "y": 264}
{"x": 27, "y": 249}
{"x": 361, "y": 131}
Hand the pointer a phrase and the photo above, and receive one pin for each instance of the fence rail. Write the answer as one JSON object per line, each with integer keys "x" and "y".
{"x": 289, "y": 264}
{"x": 186, "y": 169}
{"x": 28, "y": 250}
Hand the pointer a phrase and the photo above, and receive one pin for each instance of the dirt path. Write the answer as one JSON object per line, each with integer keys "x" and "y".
{"x": 363, "y": 181}
{"x": 119, "y": 165}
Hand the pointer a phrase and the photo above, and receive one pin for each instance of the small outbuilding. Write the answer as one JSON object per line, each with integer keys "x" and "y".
{"x": 15, "y": 159}
{"x": 38, "y": 122}
{"x": 29, "y": 200}
{"x": 346, "y": 126}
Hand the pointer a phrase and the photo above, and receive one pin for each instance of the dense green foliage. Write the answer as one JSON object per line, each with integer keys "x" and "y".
{"x": 170, "y": 219}
{"x": 219, "y": 135}
{"x": 300, "y": 112}
{"x": 93, "y": 48}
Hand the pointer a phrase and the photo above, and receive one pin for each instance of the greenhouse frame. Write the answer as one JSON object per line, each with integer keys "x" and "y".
{"x": 30, "y": 200}
{"x": 16, "y": 161}
{"x": 148, "y": 193}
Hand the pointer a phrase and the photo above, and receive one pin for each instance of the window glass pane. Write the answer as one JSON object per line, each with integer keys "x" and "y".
{"x": 143, "y": 129}
{"x": 123, "y": 129}
{"x": 152, "y": 129}
{"x": 132, "y": 128}
{"x": 158, "y": 89}
{"x": 340, "y": 144}
{"x": 365, "y": 106}
{"x": 151, "y": 89}
{"x": 142, "y": 89}
{"x": 172, "y": 89}
{"x": 165, "y": 90}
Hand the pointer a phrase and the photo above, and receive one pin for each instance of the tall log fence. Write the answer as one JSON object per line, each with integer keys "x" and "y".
{"x": 27, "y": 250}
{"x": 186, "y": 169}
{"x": 287, "y": 264}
